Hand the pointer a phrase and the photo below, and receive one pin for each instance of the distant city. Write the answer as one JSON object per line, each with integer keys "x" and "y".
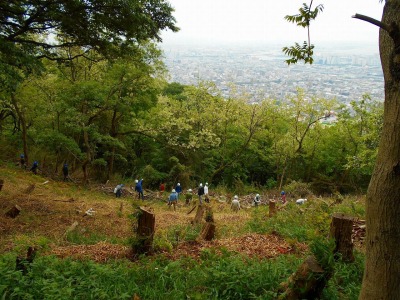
{"x": 342, "y": 72}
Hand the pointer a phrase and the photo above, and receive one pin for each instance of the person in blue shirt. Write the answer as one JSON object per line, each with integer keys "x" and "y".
{"x": 139, "y": 188}
{"x": 22, "y": 161}
{"x": 65, "y": 172}
{"x": 35, "y": 167}
{"x": 178, "y": 189}
{"x": 173, "y": 199}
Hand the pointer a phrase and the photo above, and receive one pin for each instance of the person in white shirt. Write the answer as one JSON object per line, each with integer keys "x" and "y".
{"x": 235, "y": 205}
{"x": 206, "y": 193}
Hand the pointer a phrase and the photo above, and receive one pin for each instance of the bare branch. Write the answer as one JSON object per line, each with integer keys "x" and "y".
{"x": 373, "y": 21}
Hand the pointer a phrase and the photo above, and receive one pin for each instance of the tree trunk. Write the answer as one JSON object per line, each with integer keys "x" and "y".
{"x": 88, "y": 156}
{"x": 341, "y": 230}
{"x": 24, "y": 128}
{"x": 1, "y": 183}
{"x": 382, "y": 265}
{"x": 145, "y": 232}
{"x": 272, "y": 208}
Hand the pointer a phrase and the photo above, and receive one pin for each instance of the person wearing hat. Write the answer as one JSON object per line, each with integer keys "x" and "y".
{"x": 188, "y": 196}
{"x": 65, "y": 172}
{"x": 35, "y": 167}
{"x": 235, "y": 205}
{"x": 283, "y": 197}
{"x": 178, "y": 189}
{"x": 257, "y": 200}
{"x": 200, "y": 193}
{"x": 118, "y": 190}
{"x": 139, "y": 188}
{"x": 206, "y": 193}
{"x": 173, "y": 199}
{"x": 22, "y": 161}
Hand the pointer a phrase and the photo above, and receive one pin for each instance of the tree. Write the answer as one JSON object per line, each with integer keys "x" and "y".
{"x": 382, "y": 266}
{"x": 32, "y": 30}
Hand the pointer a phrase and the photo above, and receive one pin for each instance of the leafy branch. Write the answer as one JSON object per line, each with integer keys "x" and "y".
{"x": 303, "y": 19}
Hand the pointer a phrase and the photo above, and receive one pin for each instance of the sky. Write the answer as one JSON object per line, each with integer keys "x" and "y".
{"x": 262, "y": 21}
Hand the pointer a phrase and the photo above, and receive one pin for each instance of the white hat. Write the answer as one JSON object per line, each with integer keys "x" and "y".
{"x": 136, "y": 181}
{"x": 173, "y": 190}
{"x": 178, "y": 184}
{"x": 236, "y": 197}
{"x": 189, "y": 190}
{"x": 206, "y": 183}
{"x": 201, "y": 184}
{"x": 258, "y": 195}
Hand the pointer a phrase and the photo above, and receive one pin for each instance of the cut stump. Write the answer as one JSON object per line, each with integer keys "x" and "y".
{"x": 272, "y": 208}
{"x": 145, "y": 231}
{"x": 199, "y": 215}
{"x": 208, "y": 231}
{"x": 307, "y": 282}
{"x": 1, "y": 183}
{"x": 13, "y": 212}
{"x": 30, "y": 188}
{"x": 341, "y": 230}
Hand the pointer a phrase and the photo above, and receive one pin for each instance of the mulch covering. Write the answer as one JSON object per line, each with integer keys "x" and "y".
{"x": 252, "y": 245}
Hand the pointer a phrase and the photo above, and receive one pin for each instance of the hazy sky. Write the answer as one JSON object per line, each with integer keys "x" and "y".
{"x": 260, "y": 21}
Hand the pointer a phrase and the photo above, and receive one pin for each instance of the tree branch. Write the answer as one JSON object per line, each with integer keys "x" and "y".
{"x": 373, "y": 21}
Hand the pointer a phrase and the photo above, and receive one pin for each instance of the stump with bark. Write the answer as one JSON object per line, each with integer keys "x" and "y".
{"x": 13, "y": 212}
{"x": 199, "y": 215}
{"x": 145, "y": 231}
{"x": 272, "y": 208}
{"x": 341, "y": 230}
{"x": 208, "y": 231}
{"x": 307, "y": 282}
{"x": 30, "y": 188}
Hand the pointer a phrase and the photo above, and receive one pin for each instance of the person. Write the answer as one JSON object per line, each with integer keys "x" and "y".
{"x": 162, "y": 188}
{"x": 257, "y": 200}
{"x": 235, "y": 205}
{"x": 206, "y": 193}
{"x": 283, "y": 197}
{"x": 173, "y": 199}
{"x": 65, "y": 171}
{"x": 35, "y": 167}
{"x": 22, "y": 161}
{"x": 139, "y": 188}
{"x": 200, "y": 193}
{"x": 118, "y": 190}
{"x": 178, "y": 189}
{"x": 300, "y": 201}
{"x": 188, "y": 196}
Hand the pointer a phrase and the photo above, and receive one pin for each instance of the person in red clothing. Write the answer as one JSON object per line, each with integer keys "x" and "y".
{"x": 283, "y": 197}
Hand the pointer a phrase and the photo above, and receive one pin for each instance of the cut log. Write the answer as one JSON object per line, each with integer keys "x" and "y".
{"x": 145, "y": 232}
{"x": 272, "y": 208}
{"x": 1, "y": 183}
{"x": 208, "y": 231}
{"x": 199, "y": 215}
{"x": 341, "y": 230}
{"x": 192, "y": 209}
{"x": 13, "y": 212}
{"x": 307, "y": 282}
{"x": 30, "y": 188}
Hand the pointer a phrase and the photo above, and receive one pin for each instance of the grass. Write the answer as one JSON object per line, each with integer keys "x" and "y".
{"x": 219, "y": 273}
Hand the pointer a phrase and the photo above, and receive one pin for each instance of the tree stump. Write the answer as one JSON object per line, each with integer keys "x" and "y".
{"x": 145, "y": 232}
{"x": 13, "y": 212}
{"x": 23, "y": 263}
{"x": 307, "y": 282}
{"x": 272, "y": 208}
{"x": 208, "y": 231}
{"x": 1, "y": 183}
{"x": 199, "y": 215}
{"x": 30, "y": 188}
{"x": 341, "y": 230}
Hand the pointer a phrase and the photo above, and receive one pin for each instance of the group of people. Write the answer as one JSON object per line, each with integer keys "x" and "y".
{"x": 202, "y": 192}
{"x": 35, "y": 167}
{"x": 138, "y": 188}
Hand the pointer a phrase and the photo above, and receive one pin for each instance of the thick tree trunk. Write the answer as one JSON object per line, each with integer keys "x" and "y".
{"x": 341, "y": 230}
{"x": 145, "y": 232}
{"x": 382, "y": 266}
